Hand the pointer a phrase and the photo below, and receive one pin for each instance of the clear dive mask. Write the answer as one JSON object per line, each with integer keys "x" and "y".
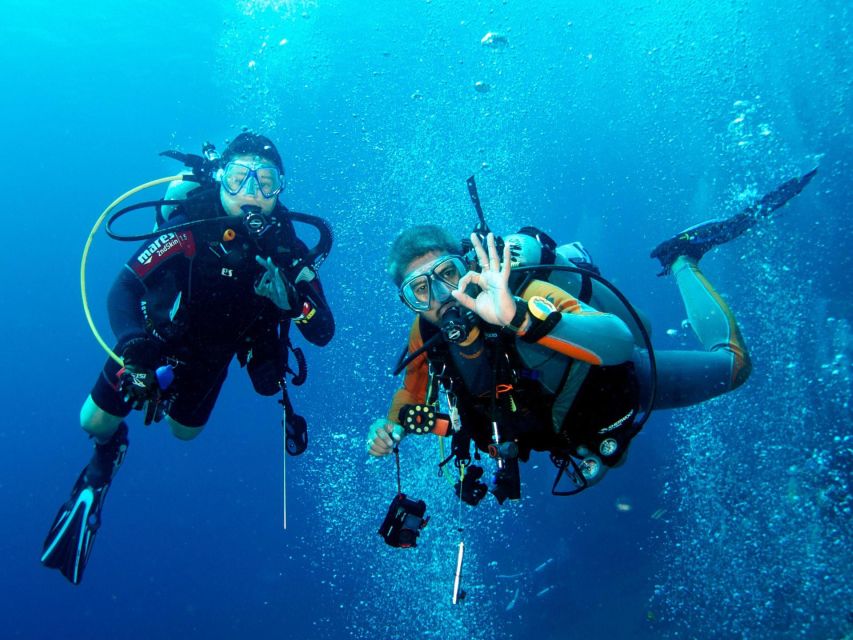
{"x": 433, "y": 281}
{"x": 266, "y": 178}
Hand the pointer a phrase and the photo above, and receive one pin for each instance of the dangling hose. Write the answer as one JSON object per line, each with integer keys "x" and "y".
{"x": 85, "y": 257}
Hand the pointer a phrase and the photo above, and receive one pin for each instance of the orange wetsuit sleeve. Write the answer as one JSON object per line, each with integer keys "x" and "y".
{"x": 416, "y": 378}
{"x": 583, "y": 333}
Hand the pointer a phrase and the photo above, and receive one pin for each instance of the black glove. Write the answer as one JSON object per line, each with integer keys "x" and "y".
{"x": 137, "y": 380}
{"x": 137, "y": 385}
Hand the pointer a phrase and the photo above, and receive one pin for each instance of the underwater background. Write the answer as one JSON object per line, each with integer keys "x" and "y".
{"x": 613, "y": 123}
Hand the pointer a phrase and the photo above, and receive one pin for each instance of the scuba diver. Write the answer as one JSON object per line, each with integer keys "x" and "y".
{"x": 225, "y": 275}
{"x": 519, "y": 345}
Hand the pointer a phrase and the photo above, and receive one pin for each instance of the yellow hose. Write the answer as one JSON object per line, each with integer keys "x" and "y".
{"x": 88, "y": 244}
{"x": 442, "y": 456}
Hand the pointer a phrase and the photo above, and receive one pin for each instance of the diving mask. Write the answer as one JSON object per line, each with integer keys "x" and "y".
{"x": 435, "y": 280}
{"x": 266, "y": 178}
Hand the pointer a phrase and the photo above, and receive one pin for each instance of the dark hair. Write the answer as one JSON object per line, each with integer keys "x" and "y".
{"x": 248, "y": 143}
{"x": 416, "y": 242}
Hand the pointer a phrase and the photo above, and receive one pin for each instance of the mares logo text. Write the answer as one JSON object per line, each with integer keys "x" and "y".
{"x": 161, "y": 248}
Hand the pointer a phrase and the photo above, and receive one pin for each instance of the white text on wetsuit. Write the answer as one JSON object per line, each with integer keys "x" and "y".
{"x": 160, "y": 246}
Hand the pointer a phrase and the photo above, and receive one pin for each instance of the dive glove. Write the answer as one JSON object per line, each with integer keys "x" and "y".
{"x": 277, "y": 288}
{"x": 137, "y": 385}
{"x": 137, "y": 380}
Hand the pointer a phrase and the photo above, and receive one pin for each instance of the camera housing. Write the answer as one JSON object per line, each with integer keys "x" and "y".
{"x": 403, "y": 522}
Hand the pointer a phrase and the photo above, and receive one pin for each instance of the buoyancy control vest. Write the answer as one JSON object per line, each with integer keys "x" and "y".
{"x": 591, "y": 406}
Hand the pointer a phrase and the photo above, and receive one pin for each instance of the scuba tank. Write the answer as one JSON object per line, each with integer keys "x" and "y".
{"x": 204, "y": 168}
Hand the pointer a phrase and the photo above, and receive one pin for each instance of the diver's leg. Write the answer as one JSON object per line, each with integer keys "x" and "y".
{"x": 99, "y": 424}
{"x": 72, "y": 534}
{"x": 714, "y": 325}
{"x": 684, "y": 378}
{"x": 102, "y": 417}
{"x": 182, "y": 431}
{"x": 104, "y": 409}
{"x": 70, "y": 539}
{"x": 196, "y": 390}
{"x": 709, "y": 315}
{"x": 689, "y": 377}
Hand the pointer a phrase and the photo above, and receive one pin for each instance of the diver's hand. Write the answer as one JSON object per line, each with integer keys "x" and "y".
{"x": 494, "y": 303}
{"x": 276, "y": 287}
{"x": 383, "y": 436}
{"x": 137, "y": 385}
{"x": 137, "y": 379}
{"x": 306, "y": 274}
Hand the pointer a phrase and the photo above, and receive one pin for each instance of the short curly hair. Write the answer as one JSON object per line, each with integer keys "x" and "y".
{"x": 416, "y": 242}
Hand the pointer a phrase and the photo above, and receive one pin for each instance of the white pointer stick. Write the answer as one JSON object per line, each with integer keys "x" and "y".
{"x": 458, "y": 572}
{"x": 284, "y": 463}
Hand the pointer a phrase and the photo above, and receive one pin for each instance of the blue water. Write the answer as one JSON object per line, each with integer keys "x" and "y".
{"x": 614, "y": 123}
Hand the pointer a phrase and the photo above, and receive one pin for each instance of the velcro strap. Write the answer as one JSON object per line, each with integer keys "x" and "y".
{"x": 541, "y": 328}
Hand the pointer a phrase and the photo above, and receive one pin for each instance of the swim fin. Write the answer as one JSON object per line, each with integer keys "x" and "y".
{"x": 69, "y": 542}
{"x": 696, "y": 241}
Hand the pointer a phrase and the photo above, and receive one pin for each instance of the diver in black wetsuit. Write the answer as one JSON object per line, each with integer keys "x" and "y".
{"x": 194, "y": 298}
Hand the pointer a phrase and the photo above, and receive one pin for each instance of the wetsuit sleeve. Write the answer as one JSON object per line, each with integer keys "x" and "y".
{"x": 316, "y": 322}
{"x": 125, "y": 307}
{"x": 416, "y": 379}
{"x": 169, "y": 252}
{"x": 583, "y": 333}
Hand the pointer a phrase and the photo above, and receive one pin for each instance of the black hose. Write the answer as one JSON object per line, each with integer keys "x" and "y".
{"x": 301, "y": 373}
{"x": 320, "y": 251}
{"x": 315, "y": 256}
{"x": 638, "y": 424}
{"x": 157, "y": 232}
